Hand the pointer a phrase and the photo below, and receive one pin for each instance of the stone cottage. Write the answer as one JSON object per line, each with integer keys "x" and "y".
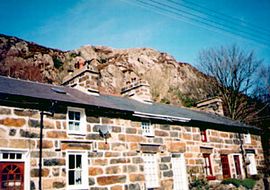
{"x": 72, "y": 137}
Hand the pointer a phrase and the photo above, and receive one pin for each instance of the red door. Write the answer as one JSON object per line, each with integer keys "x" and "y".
{"x": 225, "y": 167}
{"x": 11, "y": 175}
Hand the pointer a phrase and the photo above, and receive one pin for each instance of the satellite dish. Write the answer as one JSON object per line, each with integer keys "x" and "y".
{"x": 105, "y": 131}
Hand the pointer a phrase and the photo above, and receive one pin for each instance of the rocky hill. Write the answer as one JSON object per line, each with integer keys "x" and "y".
{"x": 170, "y": 81}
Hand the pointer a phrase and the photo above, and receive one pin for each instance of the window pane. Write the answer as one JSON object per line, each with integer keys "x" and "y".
{"x": 77, "y": 116}
{"x": 5, "y": 155}
{"x": 19, "y": 156}
{"x": 71, "y": 115}
{"x": 76, "y": 126}
{"x": 4, "y": 177}
{"x": 12, "y": 155}
{"x": 11, "y": 177}
{"x": 78, "y": 161}
{"x": 71, "y": 161}
{"x": 71, "y": 125}
{"x": 18, "y": 177}
{"x": 71, "y": 177}
{"x": 79, "y": 177}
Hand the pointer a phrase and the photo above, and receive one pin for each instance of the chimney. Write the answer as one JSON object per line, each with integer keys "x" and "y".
{"x": 138, "y": 90}
{"x": 211, "y": 105}
{"x": 85, "y": 79}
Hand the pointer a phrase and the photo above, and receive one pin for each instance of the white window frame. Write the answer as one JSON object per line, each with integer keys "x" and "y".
{"x": 180, "y": 179}
{"x": 151, "y": 170}
{"x": 25, "y": 159}
{"x": 147, "y": 128}
{"x": 82, "y": 125}
{"x": 84, "y": 170}
{"x": 247, "y": 138}
{"x": 208, "y": 167}
{"x": 232, "y": 166}
{"x": 252, "y": 167}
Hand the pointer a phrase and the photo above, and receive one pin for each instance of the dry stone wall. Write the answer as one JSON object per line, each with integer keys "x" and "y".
{"x": 116, "y": 164}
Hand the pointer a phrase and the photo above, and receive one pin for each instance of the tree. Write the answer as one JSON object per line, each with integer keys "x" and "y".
{"x": 263, "y": 86}
{"x": 234, "y": 72}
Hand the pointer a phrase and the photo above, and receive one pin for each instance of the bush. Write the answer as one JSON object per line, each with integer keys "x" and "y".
{"x": 235, "y": 182}
{"x": 199, "y": 184}
{"x": 186, "y": 101}
{"x": 57, "y": 62}
{"x": 165, "y": 101}
{"x": 247, "y": 183}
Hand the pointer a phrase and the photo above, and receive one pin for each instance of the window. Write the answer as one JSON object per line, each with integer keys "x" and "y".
{"x": 76, "y": 170}
{"x": 237, "y": 165}
{"x": 14, "y": 169}
{"x": 151, "y": 170}
{"x": 76, "y": 121}
{"x": 147, "y": 128}
{"x": 247, "y": 138}
{"x": 180, "y": 180}
{"x": 11, "y": 175}
{"x": 252, "y": 169}
{"x": 207, "y": 167}
{"x": 203, "y": 135}
{"x": 11, "y": 156}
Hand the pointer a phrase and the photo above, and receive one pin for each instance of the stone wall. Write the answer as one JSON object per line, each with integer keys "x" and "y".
{"x": 117, "y": 164}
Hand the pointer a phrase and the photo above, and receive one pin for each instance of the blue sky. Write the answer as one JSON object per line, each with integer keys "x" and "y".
{"x": 69, "y": 24}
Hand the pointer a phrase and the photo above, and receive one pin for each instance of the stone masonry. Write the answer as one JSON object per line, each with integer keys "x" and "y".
{"x": 117, "y": 164}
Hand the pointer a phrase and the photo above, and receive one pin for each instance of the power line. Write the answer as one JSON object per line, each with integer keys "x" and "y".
{"x": 229, "y": 18}
{"x": 226, "y": 20}
{"x": 203, "y": 20}
{"x": 179, "y": 14}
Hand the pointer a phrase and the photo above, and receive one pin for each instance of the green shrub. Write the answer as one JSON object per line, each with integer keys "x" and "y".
{"x": 186, "y": 101}
{"x": 199, "y": 184}
{"x": 235, "y": 182}
{"x": 247, "y": 183}
{"x": 165, "y": 101}
{"x": 57, "y": 62}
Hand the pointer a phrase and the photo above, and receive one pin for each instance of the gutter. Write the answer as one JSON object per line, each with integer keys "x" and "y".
{"x": 161, "y": 117}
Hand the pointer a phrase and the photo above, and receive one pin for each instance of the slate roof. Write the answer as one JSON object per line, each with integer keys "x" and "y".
{"x": 29, "y": 89}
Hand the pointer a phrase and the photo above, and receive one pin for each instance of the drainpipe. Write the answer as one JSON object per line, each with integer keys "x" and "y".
{"x": 40, "y": 150}
{"x": 42, "y": 113}
{"x": 243, "y": 153}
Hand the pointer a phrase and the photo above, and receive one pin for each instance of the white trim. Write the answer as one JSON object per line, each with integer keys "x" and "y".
{"x": 84, "y": 184}
{"x": 25, "y": 159}
{"x": 151, "y": 173}
{"x": 252, "y": 167}
{"x": 247, "y": 138}
{"x": 232, "y": 166}
{"x": 180, "y": 179}
{"x": 159, "y": 116}
{"x": 83, "y": 123}
{"x": 149, "y": 132}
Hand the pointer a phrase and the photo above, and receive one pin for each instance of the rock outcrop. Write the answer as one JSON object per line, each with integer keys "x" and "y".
{"x": 170, "y": 81}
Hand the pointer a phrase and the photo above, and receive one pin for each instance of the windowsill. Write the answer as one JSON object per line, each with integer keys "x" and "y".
{"x": 148, "y": 135}
{"x": 76, "y": 134}
{"x": 211, "y": 178}
{"x": 84, "y": 187}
